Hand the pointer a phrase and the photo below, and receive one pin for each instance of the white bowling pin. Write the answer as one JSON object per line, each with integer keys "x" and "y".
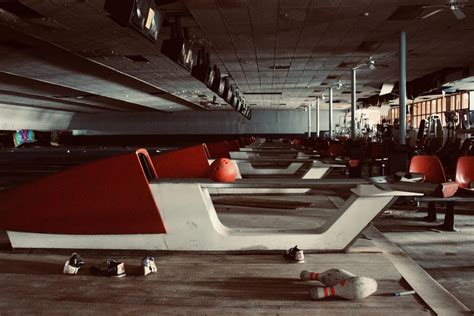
{"x": 353, "y": 289}
{"x": 330, "y": 277}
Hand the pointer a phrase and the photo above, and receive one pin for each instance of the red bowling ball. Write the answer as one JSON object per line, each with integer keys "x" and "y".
{"x": 223, "y": 170}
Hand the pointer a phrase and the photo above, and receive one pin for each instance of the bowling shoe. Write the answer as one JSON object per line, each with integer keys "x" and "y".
{"x": 73, "y": 265}
{"x": 149, "y": 266}
{"x": 294, "y": 255}
{"x": 110, "y": 268}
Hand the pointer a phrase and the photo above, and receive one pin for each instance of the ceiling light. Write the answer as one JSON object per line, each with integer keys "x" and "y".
{"x": 371, "y": 63}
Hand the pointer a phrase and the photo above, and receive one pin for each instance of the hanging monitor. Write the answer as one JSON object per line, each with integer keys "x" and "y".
{"x": 242, "y": 106}
{"x": 221, "y": 89}
{"x": 224, "y": 88}
{"x": 180, "y": 51}
{"x": 215, "y": 81}
{"x": 201, "y": 70}
{"x": 229, "y": 93}
{"x": 211, "y": 76}
{"x": 142, "y": 15}
{"x": 237, "y": 104}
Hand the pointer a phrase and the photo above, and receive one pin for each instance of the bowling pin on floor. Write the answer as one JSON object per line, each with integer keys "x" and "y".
{"x": 354, "y": 288}
{"x": 330, "y": 277}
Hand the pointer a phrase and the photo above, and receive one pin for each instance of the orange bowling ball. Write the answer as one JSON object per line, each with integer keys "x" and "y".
{"x": 223, "y": 170}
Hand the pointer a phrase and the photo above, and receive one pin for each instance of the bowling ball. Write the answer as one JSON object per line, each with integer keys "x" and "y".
{"x": 223, "y": 170}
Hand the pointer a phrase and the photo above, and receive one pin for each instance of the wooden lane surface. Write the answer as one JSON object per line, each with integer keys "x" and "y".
{"x": 193, "y": 283}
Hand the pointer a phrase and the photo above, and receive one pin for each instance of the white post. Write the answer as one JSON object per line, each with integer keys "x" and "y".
{"x": 330, "y": 113}
{"x": 353, "y": 104}
{"x": 403, "y": 89}
{"x": 309, "y": 120}
{"x": 317, "y": 117}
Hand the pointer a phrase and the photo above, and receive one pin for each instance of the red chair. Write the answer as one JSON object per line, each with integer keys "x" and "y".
{"x": 432, "y": 169}
{"x": 378, "y": 158}
{"x": 336, "y": 150}
{"x": 465, "y": 171}
{"x": 464, "y": 179}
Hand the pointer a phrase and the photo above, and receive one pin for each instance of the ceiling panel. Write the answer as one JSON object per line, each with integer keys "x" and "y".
{"x": 283, "y": 46}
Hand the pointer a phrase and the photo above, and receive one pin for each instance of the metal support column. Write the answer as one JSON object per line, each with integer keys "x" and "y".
{"x": 353, "y": 104}
{"x": 317, "y": 118}
{"x": 330, "y": 113}
{"x": 403, "y": 89}
{"x": 309, "y": 120}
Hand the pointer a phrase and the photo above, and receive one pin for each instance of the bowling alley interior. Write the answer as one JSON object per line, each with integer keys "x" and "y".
{"x": 212, "y": 157}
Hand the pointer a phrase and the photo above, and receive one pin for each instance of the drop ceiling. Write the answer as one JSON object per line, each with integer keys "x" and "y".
{"x": 71, "y": 56}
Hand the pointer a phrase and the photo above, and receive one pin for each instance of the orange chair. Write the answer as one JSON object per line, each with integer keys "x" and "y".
{"x": 465, "y": 171}
{"x": 432, "y": 169}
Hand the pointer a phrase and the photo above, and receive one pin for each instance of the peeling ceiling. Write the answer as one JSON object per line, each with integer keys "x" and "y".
{"x": 70, "y": 55}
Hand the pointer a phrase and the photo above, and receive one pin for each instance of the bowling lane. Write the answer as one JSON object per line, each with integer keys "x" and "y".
{"x": 195, "y": 283}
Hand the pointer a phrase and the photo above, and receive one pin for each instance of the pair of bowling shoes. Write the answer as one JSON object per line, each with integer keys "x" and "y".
{"x": 110, "y": 267}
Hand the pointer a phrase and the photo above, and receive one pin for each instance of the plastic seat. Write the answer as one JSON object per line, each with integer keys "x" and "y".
{"x": 336, "y": 150}
{"x": 430, "y": 167}
{"x": 433, "y": 171}
{"x": 465, "y": 171}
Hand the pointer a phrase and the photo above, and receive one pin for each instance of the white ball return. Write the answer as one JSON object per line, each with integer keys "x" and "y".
{"x": 192, "y": 224}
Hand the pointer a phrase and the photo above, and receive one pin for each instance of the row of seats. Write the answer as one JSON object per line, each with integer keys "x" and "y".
{"x": 432, "y": 169}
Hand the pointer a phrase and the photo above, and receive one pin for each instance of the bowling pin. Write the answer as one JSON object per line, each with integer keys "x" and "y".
{"x": 354, "y": 288}
{"x": 330, "y": 277}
